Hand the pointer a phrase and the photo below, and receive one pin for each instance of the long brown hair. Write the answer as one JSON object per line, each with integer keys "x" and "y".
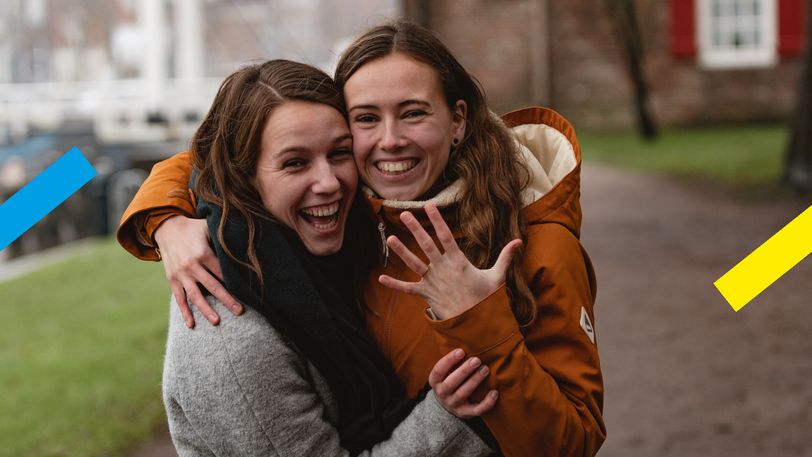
{"x": 226, "y": 147}
{"x": 487, "y": 159}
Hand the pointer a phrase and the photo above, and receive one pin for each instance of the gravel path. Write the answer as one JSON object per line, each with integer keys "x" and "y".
{"x": 685, "y": 375}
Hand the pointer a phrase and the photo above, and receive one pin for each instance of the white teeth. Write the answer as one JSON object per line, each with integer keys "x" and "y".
{"x": 322, "y": 211}
{"x": 326, "y": 226}
{"x": 396, "y": 167}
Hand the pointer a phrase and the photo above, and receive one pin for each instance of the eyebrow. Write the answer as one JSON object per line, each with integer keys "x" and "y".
{"x": 342, "y": 138}
{"x": 410, "y": 101}
{"x": 299, "y": 149}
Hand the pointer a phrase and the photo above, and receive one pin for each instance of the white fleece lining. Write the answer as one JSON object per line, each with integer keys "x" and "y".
{"x": 549, "y": 156}
{"x": 444, "y": 198}
{"x": 547, "y": 153}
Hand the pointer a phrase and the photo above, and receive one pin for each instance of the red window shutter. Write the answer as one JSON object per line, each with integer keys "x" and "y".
{"x": 683, "y": 39}
{"x": 791, "y": 24}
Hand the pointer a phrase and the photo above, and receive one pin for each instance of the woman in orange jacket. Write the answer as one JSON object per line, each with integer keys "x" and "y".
{"x": 429, "y": 151}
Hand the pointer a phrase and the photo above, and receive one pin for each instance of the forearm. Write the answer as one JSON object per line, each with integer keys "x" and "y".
{"x": 547, "y": 405}
{"x": 164, "y": 194}
{"x": 430, "y": 430}
{"x": 549, "y": 378}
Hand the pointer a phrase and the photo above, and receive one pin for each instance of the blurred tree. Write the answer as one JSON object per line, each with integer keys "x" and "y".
{"x": 624, "y": 15}
{"x": 418, "y": 11}
{"x": 798, "y": 163}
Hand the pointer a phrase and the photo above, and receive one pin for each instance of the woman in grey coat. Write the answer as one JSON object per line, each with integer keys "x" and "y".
{"x": 241, "y": 389}
{"x": 298, "y": 375}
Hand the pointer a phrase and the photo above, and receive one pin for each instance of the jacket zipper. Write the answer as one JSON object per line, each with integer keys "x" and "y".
{"x": 387, "y": 322}
{"x": 382, "y": 231}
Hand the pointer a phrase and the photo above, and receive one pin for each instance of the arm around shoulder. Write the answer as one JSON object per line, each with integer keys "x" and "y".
{"x": 164, "y": 194}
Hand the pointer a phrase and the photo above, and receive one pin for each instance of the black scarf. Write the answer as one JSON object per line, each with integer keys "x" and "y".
{"x": 310, "y": 300}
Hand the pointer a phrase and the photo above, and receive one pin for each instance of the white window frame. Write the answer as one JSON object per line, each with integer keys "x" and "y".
{"x": 715, "y": 57}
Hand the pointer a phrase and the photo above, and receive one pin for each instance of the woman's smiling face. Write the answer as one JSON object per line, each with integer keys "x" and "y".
{"x": 305, "y": 173}
{"x": 401, "y": 125}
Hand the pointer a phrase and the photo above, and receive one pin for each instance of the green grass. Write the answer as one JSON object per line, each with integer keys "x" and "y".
{"x": 81, "y": 349}
{"x": 741, "y": 157}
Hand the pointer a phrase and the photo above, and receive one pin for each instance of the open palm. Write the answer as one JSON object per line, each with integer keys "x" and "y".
{"x": 450, "y": 283}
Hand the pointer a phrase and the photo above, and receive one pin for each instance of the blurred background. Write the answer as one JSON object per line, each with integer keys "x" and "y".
{"x": 695, "y": 123}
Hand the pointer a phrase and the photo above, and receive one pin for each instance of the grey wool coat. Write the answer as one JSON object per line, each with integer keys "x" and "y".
{"x": 241, "y": 389}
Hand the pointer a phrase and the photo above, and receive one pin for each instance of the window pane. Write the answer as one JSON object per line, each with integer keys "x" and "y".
{"x": 716, "y": 38}
{"x": 727, "y": 9}
{"x": 737, "y": 33}
{"x": 729, "y": 39}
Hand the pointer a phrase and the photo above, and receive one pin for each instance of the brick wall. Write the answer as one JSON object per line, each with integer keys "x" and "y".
{"x": 490, "y": 40}
{"x": 586, "y": 73}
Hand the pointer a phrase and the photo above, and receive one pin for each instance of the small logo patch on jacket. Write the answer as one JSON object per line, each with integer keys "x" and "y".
{"x": 586, "y": 324}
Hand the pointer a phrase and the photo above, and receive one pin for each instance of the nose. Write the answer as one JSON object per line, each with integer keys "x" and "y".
{"x": 391, "y": 139}
{"x": 325, "y": 180}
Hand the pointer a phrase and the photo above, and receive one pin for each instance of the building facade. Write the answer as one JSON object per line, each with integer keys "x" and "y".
{"x": 705, "y": 61}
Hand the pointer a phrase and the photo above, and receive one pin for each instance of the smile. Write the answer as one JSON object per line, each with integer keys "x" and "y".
{"x": 323, "y": 217}
{"x": 396, "y": 167}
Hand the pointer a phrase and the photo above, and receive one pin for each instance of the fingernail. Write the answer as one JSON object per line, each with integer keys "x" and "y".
{"x": 484, "y": 369}
{"x": 494, "y": 394}
{"x": 458, "y": 353}
{"x": 474, "y": 362}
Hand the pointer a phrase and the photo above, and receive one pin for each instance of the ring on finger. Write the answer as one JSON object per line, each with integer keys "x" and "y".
{"x": 426, "y": 271}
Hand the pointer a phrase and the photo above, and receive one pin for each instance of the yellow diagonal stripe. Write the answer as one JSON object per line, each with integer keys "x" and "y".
{"x": 769, "y": 262}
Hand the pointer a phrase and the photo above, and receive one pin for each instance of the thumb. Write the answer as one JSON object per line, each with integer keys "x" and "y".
{"x": 506, "y": 256}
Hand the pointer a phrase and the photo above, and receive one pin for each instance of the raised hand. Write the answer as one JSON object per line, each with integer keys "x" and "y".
{"x": 188, "y": 260}
{"x": 450, "y": 283}
{"x": 454, "y": 388}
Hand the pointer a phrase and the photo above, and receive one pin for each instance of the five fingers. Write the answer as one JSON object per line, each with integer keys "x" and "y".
{"x": 453, "y": 390}
{"x": 477, "y": 409}
{"x": 195, "y": 297}
{"x": 444, "y": 366}
{"x": 215, "y": 287}
{"x": 186, "y": 290}
{"x": 423, "y": 239}
{"x": 409, "y": 258}
{"x": 180, "y": 298}
{"x": 441, "y": 229}
{"x": 401, "y": 286}
{"x": 506, "y": 256}
{"x": 460, "y": 380}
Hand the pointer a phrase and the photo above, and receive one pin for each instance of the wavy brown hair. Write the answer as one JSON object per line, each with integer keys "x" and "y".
{"x": 487, "y": 159}
{"x": 227, "y": 145}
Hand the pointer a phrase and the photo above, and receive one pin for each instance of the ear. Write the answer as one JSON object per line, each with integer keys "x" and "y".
{"x": 460, "y": 115}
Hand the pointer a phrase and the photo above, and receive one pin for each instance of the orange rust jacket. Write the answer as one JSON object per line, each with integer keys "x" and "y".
{"x": 549, "y": 378}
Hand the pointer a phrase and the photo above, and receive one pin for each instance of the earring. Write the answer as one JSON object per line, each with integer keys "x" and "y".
{"x": 455, "y": 142}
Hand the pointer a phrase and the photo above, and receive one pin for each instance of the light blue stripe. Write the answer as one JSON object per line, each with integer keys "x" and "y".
{"x": 44, "y": 193}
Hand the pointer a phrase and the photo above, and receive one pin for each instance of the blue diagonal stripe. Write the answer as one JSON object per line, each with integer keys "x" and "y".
{"x": 44, "y": 193}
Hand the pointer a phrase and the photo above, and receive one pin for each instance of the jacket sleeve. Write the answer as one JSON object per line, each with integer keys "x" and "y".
{"x": 164, "y": 194}
{"x": 549, "y": 379}
{"x": 241, "y": 389}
